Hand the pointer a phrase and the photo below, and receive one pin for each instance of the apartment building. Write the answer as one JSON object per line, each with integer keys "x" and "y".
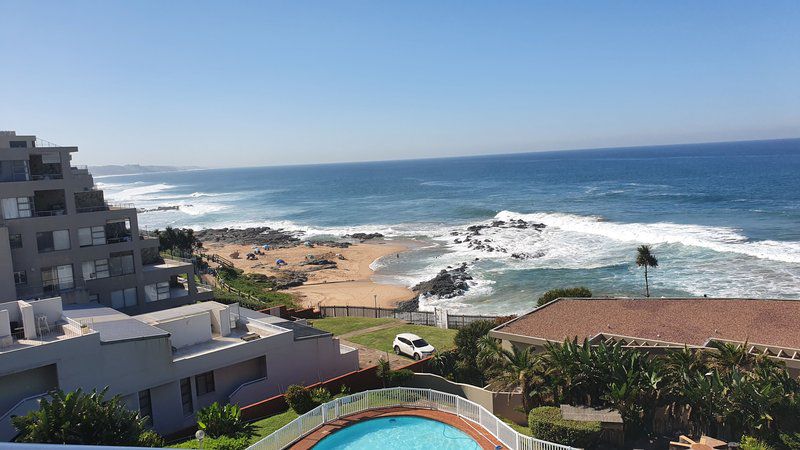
{"x": 59, "y": 237}
{"x": 165, "y": 364}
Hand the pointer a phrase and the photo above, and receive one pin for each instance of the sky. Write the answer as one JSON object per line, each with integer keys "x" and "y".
{"x": 254, "y": 83}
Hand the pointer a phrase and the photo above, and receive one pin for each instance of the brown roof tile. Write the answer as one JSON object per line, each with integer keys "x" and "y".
{"x": 686, "y": 321}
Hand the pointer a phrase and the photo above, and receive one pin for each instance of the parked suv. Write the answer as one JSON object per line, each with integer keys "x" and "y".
{"x": 412, "y": 345}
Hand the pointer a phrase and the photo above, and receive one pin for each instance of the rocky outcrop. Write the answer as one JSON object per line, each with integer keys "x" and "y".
{"x": 364, "y": 236}
{"x": 474, "y": 239}
{"x": 448, "y": 283}
{"x": 250, "y": 236}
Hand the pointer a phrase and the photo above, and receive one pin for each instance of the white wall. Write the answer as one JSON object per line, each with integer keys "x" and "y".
{"x": 13, "y": 311}
{"x": 188, "y": 330}
{"x": 49, "y": 307}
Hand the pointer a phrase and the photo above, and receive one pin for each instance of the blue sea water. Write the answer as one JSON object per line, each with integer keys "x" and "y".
{"x": 400, "y": 433}
{"x": 723, "y": 218}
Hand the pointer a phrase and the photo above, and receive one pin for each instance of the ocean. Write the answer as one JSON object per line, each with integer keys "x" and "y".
{"x": 723, "y": 218}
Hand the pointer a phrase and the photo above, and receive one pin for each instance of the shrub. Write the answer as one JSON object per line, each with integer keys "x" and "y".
{"x": 384, "y": 371}
{"x": 790, "y": 440}
{"x": 751, "y": 443}
{"x": 398, "y": 377}
{"x": 217, "y": 420}
{"x": 547, "y": 424}
{"x": 150, "y": 438}
{"x": 320, "y": 395}
{"x": 299, "y": 399}
{"x": 552, "y": 294}
{"x": 80, "y": 418}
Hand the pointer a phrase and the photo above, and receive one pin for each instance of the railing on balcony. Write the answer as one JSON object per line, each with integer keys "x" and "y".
{"x": 47, "y": 176}
{"x": 43, "y": 143}
{"x": 106, "y": 207}
{"x": 407, "y": 398}
{"x": 49, "y": 212}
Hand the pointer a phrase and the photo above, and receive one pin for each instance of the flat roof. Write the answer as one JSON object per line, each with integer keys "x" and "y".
{"x": 692, "y": 321}
{"x": 112, "y": 325}
{"x": 179, "y": 311}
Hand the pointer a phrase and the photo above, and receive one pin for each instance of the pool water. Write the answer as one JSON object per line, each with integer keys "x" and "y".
{"x": 398, "y": 433}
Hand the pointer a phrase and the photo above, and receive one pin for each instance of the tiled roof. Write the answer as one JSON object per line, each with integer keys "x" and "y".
{"x": 691, "y": 321}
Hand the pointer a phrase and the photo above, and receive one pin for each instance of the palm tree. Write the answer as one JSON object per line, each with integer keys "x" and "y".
{"x": 644, "y": 258}
{"x": 510, "y": 370}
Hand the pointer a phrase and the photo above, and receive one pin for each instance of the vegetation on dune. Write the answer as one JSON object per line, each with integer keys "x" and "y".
{"x": 257, "y": 285}
{"x": 552, "y": 294}
{"x": 85, "y": 418}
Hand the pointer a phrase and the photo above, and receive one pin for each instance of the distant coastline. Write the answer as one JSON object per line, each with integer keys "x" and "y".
{"x": 135, "y": 169}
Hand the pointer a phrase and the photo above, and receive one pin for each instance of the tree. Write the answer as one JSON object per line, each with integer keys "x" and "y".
{"x": 180, "y": 239}
{"x": 552, "y": 294}
{"x": 83, "y": 418}
{"x": 511, "y": 370}
{"x": 217, "y": 420}
{"x": 645, "y": 258}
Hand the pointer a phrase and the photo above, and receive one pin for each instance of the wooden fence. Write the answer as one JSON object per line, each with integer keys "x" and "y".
{"x": 416, "y": 317}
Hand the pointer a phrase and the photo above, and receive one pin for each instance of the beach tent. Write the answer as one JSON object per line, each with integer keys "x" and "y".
{"x": 280, "y": 262}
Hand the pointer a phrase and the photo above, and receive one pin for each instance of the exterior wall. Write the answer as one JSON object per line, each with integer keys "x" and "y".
{"x": 189, "y": 330}
{"x": 20, "y": 385}
{"x": 28, "y": 258}
{"x": 8, "y": 291}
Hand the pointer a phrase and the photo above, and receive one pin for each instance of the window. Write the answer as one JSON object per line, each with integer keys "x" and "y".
{"x": 57, "y": 278}
{"x": 15, "y": 240}
{"x": 204, "y": 383}
{"x": 123, "y": 298}
{"x": 186, "y": 396}
{"x": 156, "y": 292}
{"x": 50, "y": 241}
{"x": 146, "y": 406}
{"x": 120, "y": 263}
{"x": 18, "y": 144}
{"x": 51, "y": 158}
{"x": 91, "y": 236}
{"x": 94, "y": 298}
{"x": 20, "y": 278}
{"x": 14, "y": 171}
{"x": 93, "y": 270}
{"x": 16, "y": 207}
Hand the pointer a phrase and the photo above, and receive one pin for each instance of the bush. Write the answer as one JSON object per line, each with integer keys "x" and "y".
{"x": 217, "y": 420}
{"x": 150, "y": 438}
{"x": 398, "y": 377}
{"x": 552, "y": 294}
{"x": 220, "y": 443}
{"x": 80, "y": 418}
{"x": 299, "y": 399}
{"x": 790, "y": 440}
{"x": 751, "y": 443}
{"x": 321, "y": 395}
{"x": 547, "y": 424}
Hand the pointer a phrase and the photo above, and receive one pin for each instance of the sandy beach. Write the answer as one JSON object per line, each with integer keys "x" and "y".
{"x": 349, "y": 283}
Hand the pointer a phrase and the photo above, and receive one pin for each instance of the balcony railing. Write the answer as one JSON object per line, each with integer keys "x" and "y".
{"x": 47, "y": 176}
{"x": 106, "y": 207}
{"x": 50, "y": 212}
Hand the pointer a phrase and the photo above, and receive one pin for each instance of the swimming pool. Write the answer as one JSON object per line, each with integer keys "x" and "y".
{"x": 398, "y": 433}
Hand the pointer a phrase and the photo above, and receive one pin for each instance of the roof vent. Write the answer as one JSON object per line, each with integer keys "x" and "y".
{"x": 250, "y": 337}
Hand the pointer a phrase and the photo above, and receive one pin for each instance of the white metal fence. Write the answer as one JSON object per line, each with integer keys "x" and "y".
{"x": 405, "y": 397}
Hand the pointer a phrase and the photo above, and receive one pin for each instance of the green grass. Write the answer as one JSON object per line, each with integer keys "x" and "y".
{"x": 342, "y": 325}
{"x": 382, "y": 339}
{"x": 254, "y": 284}
{"x": 261, "y": 429}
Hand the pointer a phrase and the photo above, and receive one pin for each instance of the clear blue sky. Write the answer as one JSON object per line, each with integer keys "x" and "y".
{"x": 233, "y": 83}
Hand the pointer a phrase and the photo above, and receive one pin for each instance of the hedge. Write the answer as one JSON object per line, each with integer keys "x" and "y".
{"x": 547, "y": 424}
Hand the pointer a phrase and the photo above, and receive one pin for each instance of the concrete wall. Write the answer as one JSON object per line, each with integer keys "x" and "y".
{"x": 49, "y": 307}
{"x": 8, "y": 290}
{"x": 13, "y": 311}
{"x": 5, "y": 325}
{"x": 501, "y": 404}
{"x": 188, "y": 330}
{"x": 21, "y": 385}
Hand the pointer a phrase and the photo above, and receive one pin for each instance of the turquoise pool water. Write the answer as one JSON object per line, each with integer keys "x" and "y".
{"x": 398, "y": 433}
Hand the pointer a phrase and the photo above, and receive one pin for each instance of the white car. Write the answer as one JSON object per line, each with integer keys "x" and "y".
{"x": 412, "y": 345}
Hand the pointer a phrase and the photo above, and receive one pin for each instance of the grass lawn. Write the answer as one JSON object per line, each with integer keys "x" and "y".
{"x": 261, "y": 429}
{"x": 342, "y": 325}
{"x": 382, "y": 339}
{"x": 518, "y": 428}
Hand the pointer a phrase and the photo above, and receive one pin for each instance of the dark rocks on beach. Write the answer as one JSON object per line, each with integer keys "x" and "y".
{"x": 448, "y": 283}
{"x": 250, "y": 236}
{"x": 319, "y": 262}
{"x": 408, "y": 305}
{"x": 364, "y": 236}
{"x": 160, "y": 208}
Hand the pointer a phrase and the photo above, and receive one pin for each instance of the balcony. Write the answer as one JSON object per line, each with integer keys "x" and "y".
{"x": 106, "y": 207}
{"x": 49, "y": 203}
